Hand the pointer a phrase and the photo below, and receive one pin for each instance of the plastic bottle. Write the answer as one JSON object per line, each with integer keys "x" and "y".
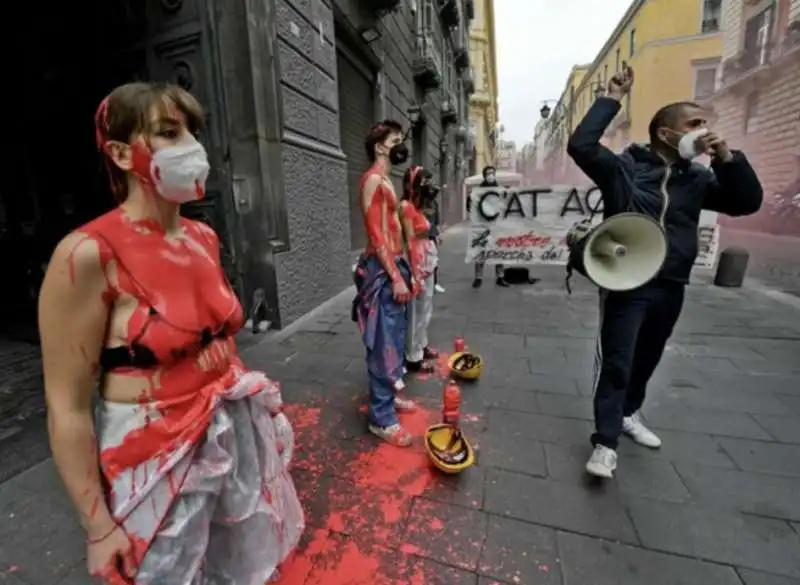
{"x": 451, "y": 404}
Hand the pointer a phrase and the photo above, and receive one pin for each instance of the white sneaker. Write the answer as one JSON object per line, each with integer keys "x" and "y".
{"x": 633, "y": 427}
{"x": 602, "y": 463}
{"x": 439, "y": 288}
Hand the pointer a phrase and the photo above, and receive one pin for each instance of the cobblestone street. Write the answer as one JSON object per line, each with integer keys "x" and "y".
{"x": 717, "y": 505}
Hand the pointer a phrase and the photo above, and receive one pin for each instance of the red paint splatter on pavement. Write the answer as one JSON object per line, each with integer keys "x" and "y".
{"x": 357, "y": 495}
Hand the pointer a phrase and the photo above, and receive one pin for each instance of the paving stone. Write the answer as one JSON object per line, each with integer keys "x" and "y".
{"x": 586, "y": 510}
{"x": 744, "y": 382}
{"x": 755, "y": 493}
{"x": 727, "y": 351}
{"x": 363, "y": 562}
{"x": 599, "y": 562}
{"x": 565, "y": 406}
{"x": 10, "y": 578}
{"x": 445, "y": 533}
{"x": 732, "y": 401}
{"x": 793, "y": 402}
{"x": 721, "y": 536}
{"x": 774, "y": 458}
{"x": 681, "y": 446}
{"x": 463, "y": 489}
{"x": 518, "y": 552}
{"x": 755, "y": 578}
{"x": 547, "y": 429}
{"x": 732, "y": 424}
{"x": 512, "y": 453}
{"x": 561, "y": 384}
{"x": 638, "y": 476}
{"x": 782, "y": 428}
{"x": 414, "y": 569}
{"x": 549, "y": 365}
{"x": 509, "y": 398}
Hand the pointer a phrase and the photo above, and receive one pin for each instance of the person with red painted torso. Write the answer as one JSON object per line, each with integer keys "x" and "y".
{"x": 181, "y": 476}
{"x": 419, "y": 198}
{"x": 384, "y": 285}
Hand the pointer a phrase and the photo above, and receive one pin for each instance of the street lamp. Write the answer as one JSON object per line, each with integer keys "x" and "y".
{"x": 414, "y": 113}
{"x": 546, "y": 110}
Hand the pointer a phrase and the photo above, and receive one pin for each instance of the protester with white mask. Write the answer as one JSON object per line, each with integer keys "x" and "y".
{"x": 662, "y": 181}
{"x": 185, "y": 457}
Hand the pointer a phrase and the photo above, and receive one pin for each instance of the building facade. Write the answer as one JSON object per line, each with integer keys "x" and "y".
{"x": 757, "y": 104}
{"x": 556, "y": 125}
{"x": 675, "y": 49}
{"x": 483, "y": 107}
{"x": 291, "y": 88}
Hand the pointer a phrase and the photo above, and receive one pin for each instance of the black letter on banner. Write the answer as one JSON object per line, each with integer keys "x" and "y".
{"x": 481, "y": 212}
{"x": 573, "y": 195}
{"x": 514, "y": 206}
{"x": 534, "y": 193}
{"x": 598, "y": 207}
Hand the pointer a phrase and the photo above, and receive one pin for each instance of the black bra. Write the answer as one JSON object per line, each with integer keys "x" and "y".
{"x": 138, "y": 355}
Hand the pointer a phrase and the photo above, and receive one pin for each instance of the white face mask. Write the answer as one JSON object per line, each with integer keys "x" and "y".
{"x": 179, "y": 172}
{"x": 687, "y": 146}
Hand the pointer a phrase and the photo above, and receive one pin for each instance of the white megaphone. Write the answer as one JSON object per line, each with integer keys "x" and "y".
{"x": 622, "y": 253}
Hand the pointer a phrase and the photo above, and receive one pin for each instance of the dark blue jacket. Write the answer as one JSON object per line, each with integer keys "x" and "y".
{"x": 639, "y": 180}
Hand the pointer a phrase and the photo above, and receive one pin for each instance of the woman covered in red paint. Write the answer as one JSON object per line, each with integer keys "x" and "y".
{"x": 180, "y": 477}
{"x": 419, "y": 197}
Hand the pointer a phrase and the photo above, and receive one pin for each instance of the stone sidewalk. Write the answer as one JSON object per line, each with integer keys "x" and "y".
{"x": 717, "y": 505}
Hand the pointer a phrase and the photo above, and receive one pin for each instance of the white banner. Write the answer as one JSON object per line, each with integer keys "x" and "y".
{"x": 528, "y": 225}
{"x": 708, "y": 236}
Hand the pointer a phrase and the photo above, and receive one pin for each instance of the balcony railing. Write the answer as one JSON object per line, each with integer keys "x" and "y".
{"x": 427, "y": 66}
{"x": 450, "y": 12}
{"x": 791, "y": 42}
{"x": 746, "y": 62}
{"x": 469, "y": 9}
{"x": 381, "y": 7}
{"x": 710, "y": 25}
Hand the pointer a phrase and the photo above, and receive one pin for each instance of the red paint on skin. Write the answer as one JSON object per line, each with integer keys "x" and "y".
{"x": 382, "y": 225}
{"x": 152, "y": 278}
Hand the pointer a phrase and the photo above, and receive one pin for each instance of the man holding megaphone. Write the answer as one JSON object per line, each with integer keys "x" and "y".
{"x": 659, "y": 183}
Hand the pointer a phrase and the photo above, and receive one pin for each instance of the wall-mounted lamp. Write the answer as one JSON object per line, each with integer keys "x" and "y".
{"x": 370, "y": 34}
{"x": 461, "y": 133}
{"x": 545, "y": 112}
{"x": 414, "y": 113}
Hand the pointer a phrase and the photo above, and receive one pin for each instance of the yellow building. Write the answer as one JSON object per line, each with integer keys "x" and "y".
{"x": 483, "y": 112}
{"x": 675, "y": 49}
{"x": 553, "y": 134}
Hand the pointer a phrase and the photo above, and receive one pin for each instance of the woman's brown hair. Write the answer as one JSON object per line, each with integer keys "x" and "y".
{"x": 127, "y": 112}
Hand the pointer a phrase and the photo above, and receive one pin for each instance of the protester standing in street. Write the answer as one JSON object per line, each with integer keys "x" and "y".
{"x": 186, "y": 459}
{"x": 659, "y": 180}
{"x": 416, "y": 210}
{"x": 384, "y": 285}
{"x": 489, "y": 180}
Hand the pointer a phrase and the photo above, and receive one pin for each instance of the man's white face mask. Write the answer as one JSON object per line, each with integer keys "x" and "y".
{"x": 688, "y": 148}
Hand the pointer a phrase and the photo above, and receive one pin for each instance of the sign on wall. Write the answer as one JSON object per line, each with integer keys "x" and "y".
{"x": 528, "y": 225}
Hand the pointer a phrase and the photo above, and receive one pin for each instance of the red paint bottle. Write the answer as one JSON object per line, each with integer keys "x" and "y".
{"x": 459, "y": 345}
{"x": 451, "y": 404}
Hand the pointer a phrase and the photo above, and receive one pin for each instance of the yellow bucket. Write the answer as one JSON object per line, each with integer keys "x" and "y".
{"x": 465, "y": 365}
{"x": 448, "y": 448}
